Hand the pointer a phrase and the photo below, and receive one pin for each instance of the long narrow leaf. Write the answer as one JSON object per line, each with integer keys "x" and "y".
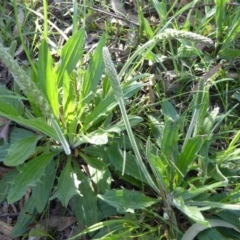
{"x": 193, "y": 231}
{"x": 127, "y": 201}
{"x": 188, "y": 154}
{"x": 71, "y": 53}
{"x": 47, "y": 80}
{"x": 93, "y": 73}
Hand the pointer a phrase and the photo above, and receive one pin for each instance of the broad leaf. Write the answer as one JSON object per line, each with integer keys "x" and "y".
{"x": 84, "y": 205}
{"x": 29, "y": 174}
{"x": 16, "y": 155}
{"x": 169, "y": 111}
{"x": 6, "y": 182}
{"x": 15, "y": 134}
{"x": 127, "y": 201}
{"x": 42, "y": 190}
{"x": 68, "y": 184}
{"x": 37, "y": 124}
{"x": 116, "y": 158}
{"x": 101, "y": 178}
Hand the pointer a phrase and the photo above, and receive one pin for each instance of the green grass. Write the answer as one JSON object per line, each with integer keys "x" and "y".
{"x": 142, "y": 143}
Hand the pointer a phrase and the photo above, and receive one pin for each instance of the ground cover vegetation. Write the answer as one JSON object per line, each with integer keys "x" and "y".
{"x": 119, "y": 120}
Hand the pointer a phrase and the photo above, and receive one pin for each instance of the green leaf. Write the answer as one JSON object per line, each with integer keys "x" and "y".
{"x": 29, "y": 174}
{"x": 209, "y": 234}
{"x": 127, "y": 201}
{"x": 107, "y": 105}
{"x": 158, "y": 167}
{"x": 197, "y": 191}
{"x": 193, "y": 231}
{"x": 120, "y": 126}
{"x": 42, "y": 190}
{"x": 210, "y": 204}
{"x": 219, "y": 16}
{"x": 71, "y": 53}
{"x": 12, "y": 99}
{"x": 84, "y": 204}
{"x": 93, "y": 161}
{"x": 68, "y": 184}
{"x": 116, "y": 158}
{"x": 25, "y": 217}
{"x": 228, "y": 53}
{"x": 15, "y": 134}
{"x": 93, "y": 73}
{"x": 169, "y": 144}
{"x": 102, "y": 178}
{"x": 169, "y": 111}
{"x": 6, "y": 182}
{"x": 161, "y": 9}
{"x": 188, "y": 154}
{"x": 69, "y": 98}
{"x": 47, "y": 79}
{"x": 16, "y": 155}
{"x": 191, "y": 211}
{"x": 37, "y": 124}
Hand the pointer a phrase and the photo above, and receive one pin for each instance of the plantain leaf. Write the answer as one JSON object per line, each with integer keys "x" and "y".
{"x": 188, "y": 154}
{"x": 16, "y": 155}
{"x": 127, "y": 201}
{"x": 37, "y": 124}
{"x": 47, "y": 79}
{"x": 193, "y": 231}
{"x": 24, "y": 219}
{"x": 191, "y": 211}
{"x": 93, "y": 73}
{"x": 107, "y": 104}
{"x": 169, "y": 111}
{"x": 116, "y": 158}
{"x": 71, "y": 54}
{"x": 85, "y": 203}
{"x": 67, "y": 185}
{"x": 29, "y": 174}
{"x": 6, "y": 182}
{"x": 42, "y": 190}
{"x": 15, "y": 134}
{"x": 69, "y": 98}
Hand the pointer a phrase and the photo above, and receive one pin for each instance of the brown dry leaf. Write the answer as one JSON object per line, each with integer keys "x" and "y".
{"x": 56, "y": 222}
{"x": 119, "y": 9}
{"x": 212, "y": 71}
{"x": 20, "y": 20}
{"x": 207, "y": 75}
{"x": 4, "y": 131}
{"x": 4, "y": 237}
{"x": 6, "y": 229}
{"x": 19, "y": 51}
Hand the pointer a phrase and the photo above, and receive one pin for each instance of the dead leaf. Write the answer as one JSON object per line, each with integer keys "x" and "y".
{"x": 56, "y": 222}
{"x": 20, "y": 21}
{"x": 5, "y": 228}
{"x": 4, "y": 131}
